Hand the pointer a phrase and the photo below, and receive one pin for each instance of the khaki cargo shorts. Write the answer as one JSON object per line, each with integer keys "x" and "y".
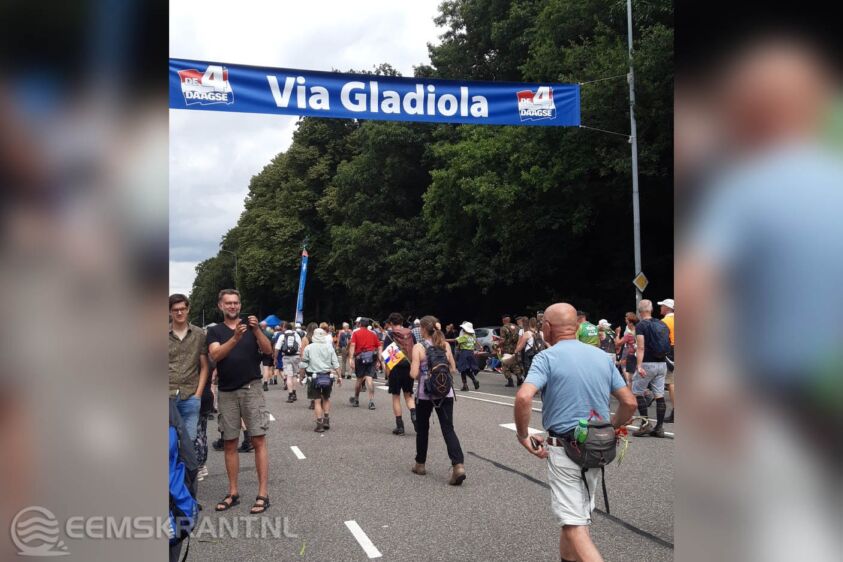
{"x": 246, "y": 403}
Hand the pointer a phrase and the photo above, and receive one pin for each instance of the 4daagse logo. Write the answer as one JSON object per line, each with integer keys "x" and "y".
{"x": 534, "y": 106}
{"x": 208, "y": 88}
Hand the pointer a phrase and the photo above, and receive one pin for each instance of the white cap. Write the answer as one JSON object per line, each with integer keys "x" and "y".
{"x": 604, "y": 324}
{"x": 668, "y": 303}
{"x": 358, "y": 319}
{"x": 417, "y": 322}
{"x": 468, "y": 327}
{"x": 345, "y": 324}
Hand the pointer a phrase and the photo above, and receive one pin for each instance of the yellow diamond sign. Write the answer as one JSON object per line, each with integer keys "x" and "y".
{"x": 640, "y": 281}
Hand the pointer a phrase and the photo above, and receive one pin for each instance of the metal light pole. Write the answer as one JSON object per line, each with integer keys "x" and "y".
{"x": 235, "y": 264}
{"x": 633, "y": 139}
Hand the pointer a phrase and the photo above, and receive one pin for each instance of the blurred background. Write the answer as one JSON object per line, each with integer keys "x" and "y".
{"x": 83, "y": 257}
{"x": 759, "y": 194}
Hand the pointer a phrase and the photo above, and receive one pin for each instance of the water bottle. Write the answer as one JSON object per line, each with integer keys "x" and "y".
{"x": 581, "y": 432}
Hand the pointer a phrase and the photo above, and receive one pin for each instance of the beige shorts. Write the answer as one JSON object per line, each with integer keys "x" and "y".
{"x": 246, "y": 403}
{"x": 668, "y": 378}
{"x": 568, "y": 496}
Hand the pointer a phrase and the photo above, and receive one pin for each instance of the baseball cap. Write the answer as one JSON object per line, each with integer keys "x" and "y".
{"x": 417, "y": 322}
{"x": 668, "y": 303}
{"x": 604, "y": 323}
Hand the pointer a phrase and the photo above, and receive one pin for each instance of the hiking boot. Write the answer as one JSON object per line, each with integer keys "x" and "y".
{"x": 669, "y": 419}
{"x": 289, "y": 398}
{"x": 371, "y": 405}
{"x": 295, "y": 397}
{"x": 354, "y": 401}
{"x": 418, "y": 469}
{"x": 399, "y": 428}
{"x": 246, "y": 446}
{"x": 285, "y": 385}
{"x": 457, "y": 475}
{"x": 464, "y": 388}
{"x": 218, "y": 445}
{"x": 326, "y": 422}
{"x": 265, "y": 386}
{"x": 509, "y": 383}
{"x": 476, "y": 384}
{"x": 320, "y": 426}
{"x": 644, "y": 430}
{"x": 658, "y": 431}
{"x": 520, "y": 381}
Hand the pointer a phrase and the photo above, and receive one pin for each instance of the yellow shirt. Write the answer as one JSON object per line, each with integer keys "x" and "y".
{"x": 668, "y": 319}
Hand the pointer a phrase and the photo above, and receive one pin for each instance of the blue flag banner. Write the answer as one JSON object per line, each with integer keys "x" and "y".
{"x": 215, "y": 86}
{"x": 302, "y": 279}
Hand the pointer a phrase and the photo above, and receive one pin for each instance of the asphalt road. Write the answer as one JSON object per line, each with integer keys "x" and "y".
{"x": 358, "y": 471}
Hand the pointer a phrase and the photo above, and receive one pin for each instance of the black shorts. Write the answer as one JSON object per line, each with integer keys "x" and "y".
{"x": 362, "y": 370}
{"x": 316, "y": 393}
{"x": 266, "y": 360}
{"x": 400, "y": 380}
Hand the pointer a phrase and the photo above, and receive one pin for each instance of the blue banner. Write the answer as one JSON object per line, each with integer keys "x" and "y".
{"x": 248, "y": 89}
{"x": 302, "y": 279}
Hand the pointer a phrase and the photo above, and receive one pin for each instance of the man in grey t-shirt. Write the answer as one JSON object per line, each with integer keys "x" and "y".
{"x": 575, "y": 379}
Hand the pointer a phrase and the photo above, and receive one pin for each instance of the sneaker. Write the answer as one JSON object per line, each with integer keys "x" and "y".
{"x": 464, "y": 388}
{"x": 218, "y": 445}
{"x": 520, "y": 381}
{"x": 476, "y": 385}
{"x": 509, "y": 383}
{"x": 371, "y": 405}
{"x": 311, "y": 405}
{"x": 203, "y": 471}
{"x": 658, "y": 431}
{"x": 418, "y": 469}
{"x": 644, "y": 430}
{"x": 246, "y": 447}
{"x": 354, "y": 401}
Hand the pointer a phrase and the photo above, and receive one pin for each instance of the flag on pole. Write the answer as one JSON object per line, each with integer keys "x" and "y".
{"x": 302, "y": 279}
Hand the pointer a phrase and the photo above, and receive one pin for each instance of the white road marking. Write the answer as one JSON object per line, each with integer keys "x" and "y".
{"x": 297, "y": 452}
{"x": 461, "y": 396}
{"x": 530, "y": 430}
{"x": 363, "y": 539}
{"x": 271, "y": 417}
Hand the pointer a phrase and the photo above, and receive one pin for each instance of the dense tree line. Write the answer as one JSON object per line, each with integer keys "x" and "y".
{"x": 468, "y": 221}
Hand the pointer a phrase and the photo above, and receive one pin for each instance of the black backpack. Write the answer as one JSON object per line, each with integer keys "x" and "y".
{"x": 439, "y": 381}
{"x": 288, "y": 349}
{"x": 656, "y": 338}
{"x": 598, "y": 450}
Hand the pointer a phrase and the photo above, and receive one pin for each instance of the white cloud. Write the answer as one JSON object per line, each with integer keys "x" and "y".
{"x": 213, "y": 155}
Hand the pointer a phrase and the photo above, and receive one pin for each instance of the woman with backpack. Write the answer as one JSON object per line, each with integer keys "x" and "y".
{"x": 466, "y": 360}
{"x": 320, "y": 363}
{"x": 529, "y": 344}
{"x": 433, "y": 365}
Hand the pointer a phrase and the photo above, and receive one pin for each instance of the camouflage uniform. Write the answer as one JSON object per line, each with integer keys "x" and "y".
{"x": 509, "y": 340}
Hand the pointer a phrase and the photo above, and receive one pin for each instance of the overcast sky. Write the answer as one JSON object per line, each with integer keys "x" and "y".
{"x": 213, "y": 155}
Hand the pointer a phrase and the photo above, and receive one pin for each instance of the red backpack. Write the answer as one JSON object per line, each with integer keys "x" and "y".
{"x": 403, "y": 338}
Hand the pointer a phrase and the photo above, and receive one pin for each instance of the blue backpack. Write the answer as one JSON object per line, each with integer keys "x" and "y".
{"x": 184, "y": 509}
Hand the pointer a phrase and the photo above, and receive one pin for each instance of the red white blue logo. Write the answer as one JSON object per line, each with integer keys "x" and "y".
{"x": 206, "y": 88}
{"x": 538, "y": 105}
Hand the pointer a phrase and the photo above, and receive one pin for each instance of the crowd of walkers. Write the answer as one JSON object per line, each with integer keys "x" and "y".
{"x": 226, "y": 368}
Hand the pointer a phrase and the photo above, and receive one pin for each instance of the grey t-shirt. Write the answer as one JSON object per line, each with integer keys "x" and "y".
{"x": 574, "y": 378}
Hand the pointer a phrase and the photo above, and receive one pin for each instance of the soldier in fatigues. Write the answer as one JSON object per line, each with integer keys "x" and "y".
{"x": 509, "y": 340}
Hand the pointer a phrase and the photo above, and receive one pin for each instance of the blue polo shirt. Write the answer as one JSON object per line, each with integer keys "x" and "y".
{"x": 574, "y": 378}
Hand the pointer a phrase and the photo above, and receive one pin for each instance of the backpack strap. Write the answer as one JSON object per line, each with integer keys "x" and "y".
{"x": 603, "y": 481}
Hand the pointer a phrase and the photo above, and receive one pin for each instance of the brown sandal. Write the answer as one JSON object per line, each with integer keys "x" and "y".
{"x": 235, "y": 500}
{"x": 260, "y": 506}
